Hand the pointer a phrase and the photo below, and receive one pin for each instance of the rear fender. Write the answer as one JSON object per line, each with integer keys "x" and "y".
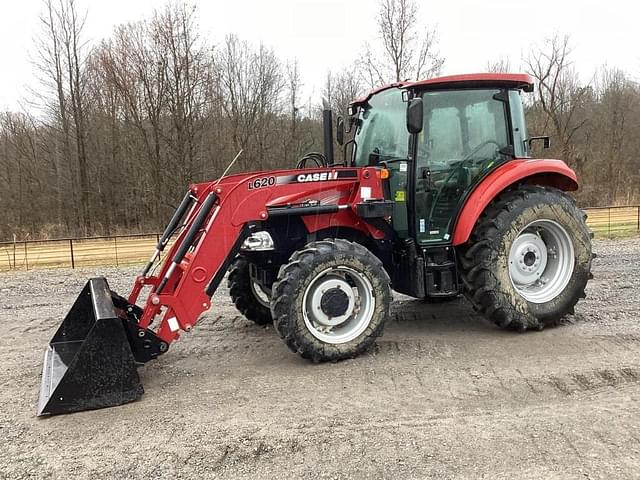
{"x": 553, "y": 173}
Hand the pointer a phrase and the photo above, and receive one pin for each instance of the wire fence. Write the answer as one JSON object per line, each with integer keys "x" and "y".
{"x": 614, "y": 221}
{"x": 77, "y": 252}
{"x": 134, "y": 249}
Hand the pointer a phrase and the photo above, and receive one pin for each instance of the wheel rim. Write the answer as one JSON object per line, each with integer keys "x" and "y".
{"x": 338, "y": 305}
{"x": 261, "y": 294}
{"x": 541, "y": 261}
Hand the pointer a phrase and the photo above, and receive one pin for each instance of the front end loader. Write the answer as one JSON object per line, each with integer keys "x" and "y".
{"x": 438, "y": 197}
{"x": 91, "y": 360}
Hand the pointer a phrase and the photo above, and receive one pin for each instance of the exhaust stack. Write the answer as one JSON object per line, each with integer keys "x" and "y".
{"x": 327, "y": 126}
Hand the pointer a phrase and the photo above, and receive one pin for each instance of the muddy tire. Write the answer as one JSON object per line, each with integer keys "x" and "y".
{"x": 244, "y": 295}
{"x": 528, "y": 259}
{"x": 331, "y": 300}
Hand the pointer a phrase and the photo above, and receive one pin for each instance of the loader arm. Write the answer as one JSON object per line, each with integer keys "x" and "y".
{"x": 218, "y": 218}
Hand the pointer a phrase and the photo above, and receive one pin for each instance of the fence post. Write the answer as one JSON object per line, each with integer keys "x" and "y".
{"x": 26, "y": 261}
{"x": 639, "y": 218}
{"x": 609, "y": 222}
{"x": 73, "y": 262}
{"x": 115, "y": 246}
{"x": 157, "y": 242}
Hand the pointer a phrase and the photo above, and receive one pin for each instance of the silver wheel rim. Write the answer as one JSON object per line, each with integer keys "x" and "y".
{"x": 541, "y": 261}
{"x": 359, "y": 311}
{"x": 261, "y": 294}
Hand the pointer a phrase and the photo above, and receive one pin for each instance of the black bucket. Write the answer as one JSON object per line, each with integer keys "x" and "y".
{"x": 89, "y": 362}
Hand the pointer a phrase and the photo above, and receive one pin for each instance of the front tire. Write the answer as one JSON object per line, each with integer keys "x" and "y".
{"x": 249, "y": 298}
{"x": 331, "y": 300}
{"x": 528, "y": 259}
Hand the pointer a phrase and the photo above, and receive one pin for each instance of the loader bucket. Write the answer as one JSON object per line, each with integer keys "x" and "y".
{"x": 89, "y": 362}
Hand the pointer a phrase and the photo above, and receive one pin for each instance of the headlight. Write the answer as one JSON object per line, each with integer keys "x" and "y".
{"x": 258, "y": 242}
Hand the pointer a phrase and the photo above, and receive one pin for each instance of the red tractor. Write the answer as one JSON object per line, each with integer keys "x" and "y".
{"x": 439, "y": 197}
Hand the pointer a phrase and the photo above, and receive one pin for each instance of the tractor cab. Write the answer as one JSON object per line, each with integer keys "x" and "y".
{"x": 439, "y": 139}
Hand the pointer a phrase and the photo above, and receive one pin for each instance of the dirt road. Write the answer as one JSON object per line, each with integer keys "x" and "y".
{"x": 444, "y": 395}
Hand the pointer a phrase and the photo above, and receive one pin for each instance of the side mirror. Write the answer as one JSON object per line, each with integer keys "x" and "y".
{"x": 415, "y": 112}
{"x": 340, "y": 131}
{"x": 546, "y": 141}
{"x": 374, "y": 157}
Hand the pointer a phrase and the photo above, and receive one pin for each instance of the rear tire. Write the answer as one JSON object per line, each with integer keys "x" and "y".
{"x": 244, "y": 293}
{"x": 331, "y": 300}
{"x": 528, "y": 259}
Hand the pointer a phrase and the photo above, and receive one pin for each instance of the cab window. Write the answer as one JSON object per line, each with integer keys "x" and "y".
{"x": 382, "y": 133}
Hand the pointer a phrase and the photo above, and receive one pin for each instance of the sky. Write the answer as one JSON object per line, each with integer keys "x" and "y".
{"x": 471, "y": 32}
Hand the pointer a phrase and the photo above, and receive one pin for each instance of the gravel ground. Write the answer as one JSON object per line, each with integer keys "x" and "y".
{"x": 443, "y": 395}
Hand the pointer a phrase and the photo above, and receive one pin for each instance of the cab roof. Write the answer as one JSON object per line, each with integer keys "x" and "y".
{"x": 470, "y": 80}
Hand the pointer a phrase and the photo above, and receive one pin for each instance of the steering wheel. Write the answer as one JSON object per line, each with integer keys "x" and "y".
{"x": 315, "y": 157}
{"x": 479, "y": 147}
{"x": 457, "y": 165}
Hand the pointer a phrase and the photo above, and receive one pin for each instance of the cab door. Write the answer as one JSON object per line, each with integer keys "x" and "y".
{"x": 465, "y": 135}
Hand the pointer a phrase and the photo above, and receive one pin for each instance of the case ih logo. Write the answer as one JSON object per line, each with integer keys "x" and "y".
{"x": 317, "y": 177}
{"x": 304, "y": 178}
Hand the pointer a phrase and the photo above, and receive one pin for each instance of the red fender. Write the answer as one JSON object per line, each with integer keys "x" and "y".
{"x": 553, "y": 173}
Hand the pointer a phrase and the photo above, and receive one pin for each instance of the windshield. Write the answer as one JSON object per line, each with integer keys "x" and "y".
{"x": 382, "y": 132}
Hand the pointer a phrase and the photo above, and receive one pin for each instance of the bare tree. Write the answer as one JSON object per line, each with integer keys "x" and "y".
{"x": 294, "y": 85}
{"x": 618, "y": 104}
{"x": 502, "y": 65}
{"x": 341, "y": 88}
{"x": 405, "y": 50}
{"x": 559, "y": 93}
{"x": 71, "y": 25}
{"x": 186, "y": 72}
{"x": 252, "y": 84}
{"x": 61, "y": 63}
{"x": 49, "y": 64}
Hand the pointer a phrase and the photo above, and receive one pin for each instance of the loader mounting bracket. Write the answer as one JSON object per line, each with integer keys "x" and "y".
{"x": 145, "y": 344}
